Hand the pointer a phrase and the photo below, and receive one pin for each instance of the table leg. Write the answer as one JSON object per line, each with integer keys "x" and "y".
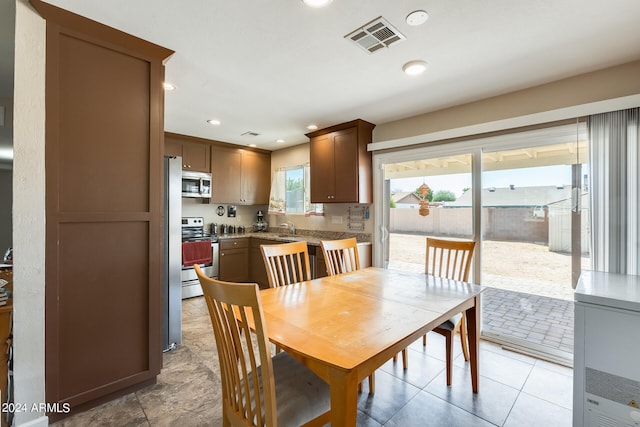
{"x": 473, "y": 335}
{"x": 344, "y": 398}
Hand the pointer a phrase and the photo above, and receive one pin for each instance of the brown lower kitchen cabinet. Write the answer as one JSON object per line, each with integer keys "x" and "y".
{"x": 234, "y": 260}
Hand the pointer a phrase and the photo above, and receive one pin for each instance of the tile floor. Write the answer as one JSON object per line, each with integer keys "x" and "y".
{"x": 515, "y": 390}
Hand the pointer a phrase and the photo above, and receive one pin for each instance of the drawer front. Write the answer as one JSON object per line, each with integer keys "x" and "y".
{"x": 234, "y": 243}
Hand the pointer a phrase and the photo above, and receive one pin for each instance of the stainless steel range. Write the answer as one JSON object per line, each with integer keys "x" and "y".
{"x": 200, "y": 248}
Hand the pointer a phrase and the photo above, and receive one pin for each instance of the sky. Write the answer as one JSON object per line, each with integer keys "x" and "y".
{"x": 525, "y": 177}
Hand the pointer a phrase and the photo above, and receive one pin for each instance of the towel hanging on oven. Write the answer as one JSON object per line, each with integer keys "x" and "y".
{"x": 196, "y": 253}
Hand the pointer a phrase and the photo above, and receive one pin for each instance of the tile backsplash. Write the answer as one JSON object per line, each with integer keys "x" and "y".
{"x": 336, "y": 217}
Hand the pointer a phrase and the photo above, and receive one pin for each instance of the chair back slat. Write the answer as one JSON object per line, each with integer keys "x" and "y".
{"x": 340, "y": 256}
{"x": 450, "y": 259}
{"x": 248, "y": 398}
{"x": 286, "y": 263}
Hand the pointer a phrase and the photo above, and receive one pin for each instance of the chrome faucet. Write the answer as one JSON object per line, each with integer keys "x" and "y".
{"x": 290, "y": 225}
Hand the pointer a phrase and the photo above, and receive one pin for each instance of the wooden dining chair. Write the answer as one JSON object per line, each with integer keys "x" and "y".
{"x": 286, "y": 263}
{"x": 450, "y": 259}
{"x": 341, "y": 256}
{"x": 257, "y": 389}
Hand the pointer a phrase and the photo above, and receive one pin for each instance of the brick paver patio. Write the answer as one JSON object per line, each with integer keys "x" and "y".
{"x": 529, "y": 311}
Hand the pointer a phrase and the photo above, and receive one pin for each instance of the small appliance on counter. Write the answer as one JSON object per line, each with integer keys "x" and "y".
{"x": 260, "y": 224}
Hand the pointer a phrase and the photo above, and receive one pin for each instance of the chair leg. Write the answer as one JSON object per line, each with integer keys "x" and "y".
{"x": 463, "y": 338}
{"x": 424, "y": 340}
{"x": 372, "y": 384}
{"x": 449, "y": 345}
{"x": 395, "y": 358}
{"x": 405, "y": 359}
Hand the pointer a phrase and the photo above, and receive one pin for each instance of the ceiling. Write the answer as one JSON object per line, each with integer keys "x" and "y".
{"x": 274, "y": 67}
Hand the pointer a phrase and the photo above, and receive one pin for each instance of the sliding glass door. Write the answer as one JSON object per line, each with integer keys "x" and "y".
{"x": 535, "y": 241}
{"x": 523, "y": 198}
{"x": 429, "y": 196}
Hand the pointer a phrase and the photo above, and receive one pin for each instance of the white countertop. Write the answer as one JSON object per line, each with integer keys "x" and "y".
{"x": 609, "y": 289}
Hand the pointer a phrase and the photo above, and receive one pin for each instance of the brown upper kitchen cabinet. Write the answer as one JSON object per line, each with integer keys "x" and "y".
{"x": 340, "y": 163}
{"x": 240, "y": 176}
{"x": 196, "y": 156}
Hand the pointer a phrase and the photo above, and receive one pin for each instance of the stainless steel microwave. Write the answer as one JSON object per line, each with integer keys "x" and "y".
{"x": 196, "y": 184}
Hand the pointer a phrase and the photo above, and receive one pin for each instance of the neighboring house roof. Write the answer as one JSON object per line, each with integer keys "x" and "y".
{"x": 405, "y": 197}
{"x": 517, "y": 196}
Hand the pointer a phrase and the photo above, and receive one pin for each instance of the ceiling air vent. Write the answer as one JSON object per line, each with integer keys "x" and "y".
{"x": 250, "y": 133}
{"x": 375, "y": 35}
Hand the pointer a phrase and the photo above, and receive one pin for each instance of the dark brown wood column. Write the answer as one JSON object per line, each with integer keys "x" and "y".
{"x": 104, "y": 148}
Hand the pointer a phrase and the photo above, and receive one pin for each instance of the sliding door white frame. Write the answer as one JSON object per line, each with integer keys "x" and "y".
{"x": 475, "y": 147}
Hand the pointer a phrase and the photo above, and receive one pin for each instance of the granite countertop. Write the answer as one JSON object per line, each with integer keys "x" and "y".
{"x": 311, "y": 237}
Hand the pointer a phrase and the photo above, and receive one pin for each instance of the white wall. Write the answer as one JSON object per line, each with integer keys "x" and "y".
{"x": 609, "y": 89}
{"x": 29, "y": 213}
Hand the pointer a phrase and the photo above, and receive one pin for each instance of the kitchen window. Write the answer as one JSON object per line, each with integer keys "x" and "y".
{"x": 290, "y": 193}
{"x": 294, "y": 190}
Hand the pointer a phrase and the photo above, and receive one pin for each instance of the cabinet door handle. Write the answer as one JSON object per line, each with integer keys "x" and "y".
{"x": 222, "y": 254}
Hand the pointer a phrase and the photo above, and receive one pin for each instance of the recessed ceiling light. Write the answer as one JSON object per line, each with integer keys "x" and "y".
{"x": 414, "y": 68}
{"x": 214, "y": 122}
{"x": 417, "y": 17}
{"x": 252, "y": 145}
{"x": 317, "y": 3}
{"x": 168, "y": 86}
{"x": 312, "y": 127}
{"x": 279, "y": 141}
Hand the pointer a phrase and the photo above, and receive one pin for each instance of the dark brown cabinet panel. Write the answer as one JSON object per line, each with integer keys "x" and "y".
{"x": 104, "y": 210}
{"x": 172, "y": 147}
{"x": 322, "y": 168}
{"x": 226, "y": 165}
{"x": 256, "y": 178}
{"x": 240, "y": 176}
{"x": 196, "y": 156}
{"x": 234, "y": 260}
{"x": 340, "y": 163}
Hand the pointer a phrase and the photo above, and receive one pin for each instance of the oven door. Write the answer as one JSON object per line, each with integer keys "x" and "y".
{"x": 190, "y": 283}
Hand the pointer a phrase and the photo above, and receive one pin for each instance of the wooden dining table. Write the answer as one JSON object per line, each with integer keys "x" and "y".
{"x": 344, "y": 327}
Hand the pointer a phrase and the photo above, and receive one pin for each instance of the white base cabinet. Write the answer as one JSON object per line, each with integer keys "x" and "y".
{"x": 607, "y": 350}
